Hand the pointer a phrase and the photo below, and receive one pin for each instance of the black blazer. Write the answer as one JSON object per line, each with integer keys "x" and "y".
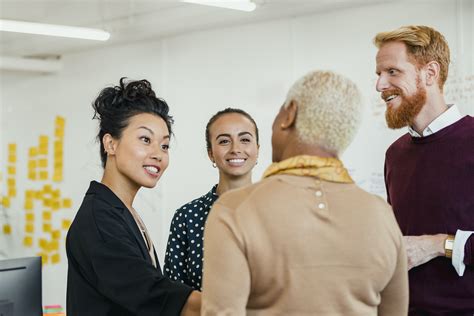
{"x": 110, "y": 272}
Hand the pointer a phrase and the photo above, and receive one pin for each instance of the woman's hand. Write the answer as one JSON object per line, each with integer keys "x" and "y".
{"x": 193, "y": 305}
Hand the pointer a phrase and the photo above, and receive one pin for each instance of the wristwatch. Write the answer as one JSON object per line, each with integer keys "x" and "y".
{"x": 448, "y": 246}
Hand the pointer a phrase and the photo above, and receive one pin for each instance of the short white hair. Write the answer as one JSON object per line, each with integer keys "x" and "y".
{"x": 329, "y": 109}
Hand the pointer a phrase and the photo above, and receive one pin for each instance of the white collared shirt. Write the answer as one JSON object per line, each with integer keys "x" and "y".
{"x": 448, "y": 117}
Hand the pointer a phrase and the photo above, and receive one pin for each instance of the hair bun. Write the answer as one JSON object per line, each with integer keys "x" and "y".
{"x": 136, "y": 89}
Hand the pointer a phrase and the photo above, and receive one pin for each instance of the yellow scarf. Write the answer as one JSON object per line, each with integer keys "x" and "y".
{"x": 329, "y": 169}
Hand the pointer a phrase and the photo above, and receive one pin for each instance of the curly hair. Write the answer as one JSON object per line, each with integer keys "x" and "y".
{"x": 329, "y": 110}
{"x": 116, "y": 105}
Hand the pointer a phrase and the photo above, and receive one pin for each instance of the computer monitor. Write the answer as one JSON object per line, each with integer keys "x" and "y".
{"x": 20, "y": 287}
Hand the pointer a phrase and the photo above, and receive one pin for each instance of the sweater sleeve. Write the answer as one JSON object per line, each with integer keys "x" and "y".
{"x": 226, "y": 282}
{"x": 394, "y": 297}
{"x": 177, "y": 249}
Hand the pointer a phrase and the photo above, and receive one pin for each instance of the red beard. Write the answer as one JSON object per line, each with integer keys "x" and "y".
{"x": 408, "y": 109}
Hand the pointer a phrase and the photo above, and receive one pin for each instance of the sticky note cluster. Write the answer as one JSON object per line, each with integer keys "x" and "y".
{"x": 11, "y": 186}
{"x": 38, "y": 160}
{"x": 44, "y": 224}
{"x": 58, "y": 149}
{"x": 49, "y": 201}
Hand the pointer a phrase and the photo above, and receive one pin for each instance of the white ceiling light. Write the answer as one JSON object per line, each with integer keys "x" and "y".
{"x": 242, "y": 5}
{"x": 53, "y": 30}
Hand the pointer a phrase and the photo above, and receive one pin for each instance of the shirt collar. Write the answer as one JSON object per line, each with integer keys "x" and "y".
{"x": 448, "y": 117}
{"x": 104, "y": 192}
{"x": 213, "y": 192}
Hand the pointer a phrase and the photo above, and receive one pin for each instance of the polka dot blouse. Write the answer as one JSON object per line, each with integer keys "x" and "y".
{"x": 184, "y": 252}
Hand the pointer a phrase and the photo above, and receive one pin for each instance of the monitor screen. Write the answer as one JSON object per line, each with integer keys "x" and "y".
{"x": 20, "y": 287}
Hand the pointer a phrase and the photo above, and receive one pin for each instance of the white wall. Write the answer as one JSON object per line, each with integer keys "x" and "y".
{"x": 200, "y": 73}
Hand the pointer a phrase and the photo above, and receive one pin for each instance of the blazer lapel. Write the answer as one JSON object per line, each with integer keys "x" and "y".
{"x": 137, "y": 234}
{"x": 111, "y": 198}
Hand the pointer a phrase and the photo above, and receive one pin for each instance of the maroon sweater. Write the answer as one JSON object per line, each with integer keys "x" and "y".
{"x": 430, "y": 185}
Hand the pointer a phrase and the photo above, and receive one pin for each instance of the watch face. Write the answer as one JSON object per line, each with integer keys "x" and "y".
{"x": 448, "y": 244}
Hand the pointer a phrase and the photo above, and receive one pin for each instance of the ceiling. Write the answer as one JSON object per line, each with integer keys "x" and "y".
{"x": 136, "y": 20}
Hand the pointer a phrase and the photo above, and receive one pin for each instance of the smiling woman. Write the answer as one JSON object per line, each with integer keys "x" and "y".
{"x": 112, "y": 264}
{"x": 232, "y": 146}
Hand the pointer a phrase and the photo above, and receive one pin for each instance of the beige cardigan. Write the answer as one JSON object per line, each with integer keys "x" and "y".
{"x": 293, "y": 245}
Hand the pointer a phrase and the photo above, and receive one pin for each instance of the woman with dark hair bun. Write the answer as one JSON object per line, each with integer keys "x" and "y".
{"x": 112, "y": 264}
{"x": 232, "y": 146}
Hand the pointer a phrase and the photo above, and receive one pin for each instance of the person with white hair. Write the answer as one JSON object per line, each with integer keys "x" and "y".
{"x": 306, "y": 240}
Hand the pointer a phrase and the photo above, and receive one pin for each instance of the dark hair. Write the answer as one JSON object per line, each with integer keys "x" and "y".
{"x": 116, "y": 105}
{"x": 227, "y": 111}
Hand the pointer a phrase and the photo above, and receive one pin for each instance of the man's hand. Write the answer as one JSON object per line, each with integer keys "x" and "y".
{"x": 421, "y": 249}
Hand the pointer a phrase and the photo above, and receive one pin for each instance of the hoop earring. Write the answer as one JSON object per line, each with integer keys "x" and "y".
{"x": 214, "y": 165}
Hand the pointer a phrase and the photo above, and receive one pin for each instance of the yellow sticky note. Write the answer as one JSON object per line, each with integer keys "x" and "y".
{"x": 59, "y": 132}
{"x": 56, "y": 234}
{"x": 11, "y": 148}
{"x": 56, "y": 194}
{"x": 53, "y": 245}
{"x": 43, "y": 175}
{"x": 32, "y": 164}
{"x": 57, "y": 177}
{"x": 55, "y": 258}
{"x": 56, "y": 205}
{"x": 66, "y": 223}
{"x": 11, "y": 182}
{"x": 28, "y": 204}
{"x": 67, "y": 203}
{"x": 12, "y": 158}
{"x": 46, "y": 227}
{"x": 33, "y": 152}
{"x": 60, "y": 121}
{"x": 39, "y": 195}
{"x": 43, "y": 243}
{"x": 30, "y": 217}
{"x": 29, "y": 228}
{"x": 43, "y": 139}
{"x": 58, "y": 145}
{"x": 47, "y": 188}
{"x": 7, "y": 229}
{"x": 28, "y": 241}
{"x": 43, "y": 163}
{"x": 6, "y": 201}
{"x": 58, "y": 158}
{"x": 11, "y": 192}
{"x": 43, "y": 150}
{"x": 46, "y": 216}
{"x": 11, "y": 170}
{"x": 29, "y": 194}
{"x": 32, "y": 175}
{"x": 47, "y": 202}
{"x": 44, "y": 258}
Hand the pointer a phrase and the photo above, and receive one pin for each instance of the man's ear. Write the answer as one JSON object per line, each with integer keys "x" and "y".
{"x": 290, "y": 112}
{"x": 432, "y": 72}
{"x": 110, "y": 144}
